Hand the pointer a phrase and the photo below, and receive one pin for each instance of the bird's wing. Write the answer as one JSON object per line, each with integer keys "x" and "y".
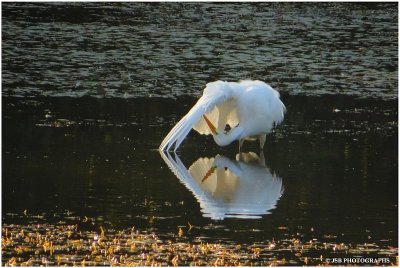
{"x": 209, "y": 205}
{"x": 213, "y": 95}
{"x": 179, "y": 169}
{"x": 223, "y": 113}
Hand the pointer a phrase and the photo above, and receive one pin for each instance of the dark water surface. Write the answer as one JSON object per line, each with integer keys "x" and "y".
{"x": 98, "y": 158}
{"x": 91, "y": 89}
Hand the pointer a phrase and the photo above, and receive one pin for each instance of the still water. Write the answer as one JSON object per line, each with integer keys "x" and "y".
{"x": 91, "y": 89}
{"x": 324, "y": 173}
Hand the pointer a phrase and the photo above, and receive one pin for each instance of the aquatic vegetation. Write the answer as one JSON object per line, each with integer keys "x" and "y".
{"x": 59, "y": 245}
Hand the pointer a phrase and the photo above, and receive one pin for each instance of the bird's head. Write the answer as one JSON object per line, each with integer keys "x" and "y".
{"x": 219, "y": 138}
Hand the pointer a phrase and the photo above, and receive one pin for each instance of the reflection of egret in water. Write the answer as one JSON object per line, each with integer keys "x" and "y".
{"x": 244, "y": 188}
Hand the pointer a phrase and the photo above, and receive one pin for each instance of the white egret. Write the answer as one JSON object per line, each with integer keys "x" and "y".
{"x": 230, "y": 111}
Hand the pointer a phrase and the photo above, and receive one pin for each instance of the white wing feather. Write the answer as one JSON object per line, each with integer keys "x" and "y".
{"x": 214, "y": 94}
{"x": 223, "y": 113}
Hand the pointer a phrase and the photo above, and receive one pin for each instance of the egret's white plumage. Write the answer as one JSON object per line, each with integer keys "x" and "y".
{"x": 241, "y": 188}
{"x": 250, "y": 108}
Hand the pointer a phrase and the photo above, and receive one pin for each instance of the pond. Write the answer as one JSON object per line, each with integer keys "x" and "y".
{"x": 91, "y": 89}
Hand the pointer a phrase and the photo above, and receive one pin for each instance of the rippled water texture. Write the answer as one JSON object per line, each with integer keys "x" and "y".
{"x": 89, "y": 91}
{"x": 172, "y": 49}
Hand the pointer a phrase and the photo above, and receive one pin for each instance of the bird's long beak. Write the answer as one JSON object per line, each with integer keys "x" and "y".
{"x": 210, "y": 125}
{"x": 208, "y": 174}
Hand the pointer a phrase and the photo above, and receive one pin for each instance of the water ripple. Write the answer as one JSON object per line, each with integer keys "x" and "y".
{"x": 172, "y": 49}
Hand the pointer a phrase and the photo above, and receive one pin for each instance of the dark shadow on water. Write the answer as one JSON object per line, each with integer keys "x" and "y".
{"x": 241, "y": 188}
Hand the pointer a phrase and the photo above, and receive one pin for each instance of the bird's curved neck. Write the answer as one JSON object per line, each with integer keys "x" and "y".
{"x": 224, "y": 162}
{"x": 223, "y": 139}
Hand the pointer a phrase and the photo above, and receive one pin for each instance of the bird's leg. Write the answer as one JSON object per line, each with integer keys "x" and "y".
{"x": 240, "y": 144}
{"x": 262, "y": 138}
{"x": 261, "y": 159}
